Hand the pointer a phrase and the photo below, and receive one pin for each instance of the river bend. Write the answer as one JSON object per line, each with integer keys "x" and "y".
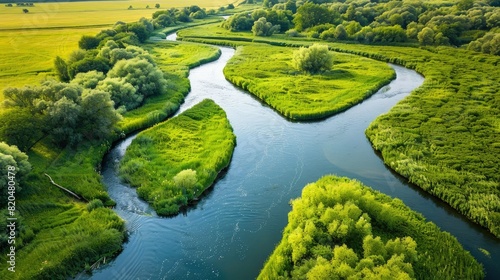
{"x": 230, "y": 233}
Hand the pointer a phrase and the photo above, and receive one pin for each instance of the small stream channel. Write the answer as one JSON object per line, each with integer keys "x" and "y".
{"x": 230, "y": 233}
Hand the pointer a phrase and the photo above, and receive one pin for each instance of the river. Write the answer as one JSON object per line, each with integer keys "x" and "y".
{"x": 234, "y": 228}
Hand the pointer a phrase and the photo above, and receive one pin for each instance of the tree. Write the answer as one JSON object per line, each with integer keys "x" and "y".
{"x": 263, "y": 28}
{"x": 98, "y": 116}
{"x": 140, "y": 73}
{"x": 186, "y": 180}
{"x": 25, "y": 11}
{"x": 88, "y": 79}
{"x": 140, "y": 30}
{"x": 340, "y": 32}
{"x": 239, "y": 22}
{"x": 61, "y": 69}
{"x": 122, "y": 93}
{"x": 157, "y": 5}
{"x": 309, "y": 15}
{"x": 15, "y": 161}
{"x": 88, "y": 42}
{"x": 314, "y": 59}
{"x": 426, "y": 36}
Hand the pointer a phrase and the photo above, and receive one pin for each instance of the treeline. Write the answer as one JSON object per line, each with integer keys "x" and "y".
{"x": 340, "y": 229}
{"x": 476, "y": 23}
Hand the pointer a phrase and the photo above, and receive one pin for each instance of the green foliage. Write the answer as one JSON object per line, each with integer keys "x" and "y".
{"x": 299, "y": 96}
{"x": 88, "y": 42}
{"x": 310, "y": 14}
{"x": 489, "y": 43}
{"x": 314, "y": 59}
{"x": 239, "y": 22}
{"x": 11, "y": 179}
{"x": 94, "y": 204}
{"x": 263, "y": 28}
{"x": 176, "y": 161}
{"x": 340, "y": 229}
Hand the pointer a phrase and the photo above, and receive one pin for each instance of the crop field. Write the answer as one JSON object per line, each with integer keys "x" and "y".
{"x": 30, "y": 42}
{"x": 89, "y": 13}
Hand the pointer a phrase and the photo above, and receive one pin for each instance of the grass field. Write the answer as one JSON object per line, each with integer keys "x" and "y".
{"x": 267, "y": 72}
{"x": 88, "y": 13}
{"x": 339, "y": 227}
{"x": 30, "y": 42}
{"x": 200, "y": 139}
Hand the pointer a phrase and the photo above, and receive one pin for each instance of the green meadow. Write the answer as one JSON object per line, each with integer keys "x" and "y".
{"x": 340, "y": 228}
{"x": 174, "y": 162}
{"x": 267, "y": 72}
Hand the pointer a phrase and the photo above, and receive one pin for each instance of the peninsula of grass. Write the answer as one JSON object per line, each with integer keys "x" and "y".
{"x": 174, "y": 162}
{"x": 341, "y": 229}
{"x": 61, "y": 235}
{"x": 444, "y": 136}
{"x": 267, "y": 72}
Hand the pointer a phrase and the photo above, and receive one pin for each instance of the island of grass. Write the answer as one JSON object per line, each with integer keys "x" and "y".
{"x": 341, "y": 229}
{"x": 174, "y": 162}
{"x": 267, "y": 72}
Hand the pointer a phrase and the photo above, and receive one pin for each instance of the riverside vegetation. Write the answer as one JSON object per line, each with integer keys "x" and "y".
{"x": 341, "y": 229}
{"x": 56, "y": 234}
{"x": 432, "y": 158}
{"x": 444, "y": 136}
{"x": 174, "y": 162}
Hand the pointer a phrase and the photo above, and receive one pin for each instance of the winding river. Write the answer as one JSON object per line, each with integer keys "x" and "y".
{"x": 230, "y": 233}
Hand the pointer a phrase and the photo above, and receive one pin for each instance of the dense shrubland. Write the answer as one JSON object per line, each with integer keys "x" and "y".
{"x": 172, "y": 163}
{"x": 340, "y": 229}
{"x": 476, "y": 23}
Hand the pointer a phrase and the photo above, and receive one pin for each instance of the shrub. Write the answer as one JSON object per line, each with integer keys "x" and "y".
{"x": 314, "y": 59}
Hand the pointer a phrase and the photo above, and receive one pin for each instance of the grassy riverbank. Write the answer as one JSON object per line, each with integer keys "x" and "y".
{"x": 174, "y": 162}
{"x": 63, "y": 228}
{"x": 444, "y": 136}
{"x": 340, "y": 228}
{"x": 266, "y": 72}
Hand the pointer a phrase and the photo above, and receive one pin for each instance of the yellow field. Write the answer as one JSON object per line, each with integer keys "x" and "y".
{"x": 69, "y": 14}
{"x": 30, "y": 42}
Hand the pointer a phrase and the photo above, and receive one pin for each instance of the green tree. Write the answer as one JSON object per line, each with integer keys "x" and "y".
{"x": 314, "y": 59}
{"x": 122, "y": 93}
{"x": 426, "y": 36}
{"x": 13, "y": 157}
{"x": 309, "y": 15}
{"x": 186, "y": 179}
{"x": 263, "y": 28}
{"x": 61, "y": 69}
{"x": 140, "y": 30}
{"x": 141, "y": 74}
{"x": 97, "y": 116}
{"x": 341, "y": 33}
{"x": 88, "y": 79}
{"x": 157, "y": 5}
{"x": 88, "y": 42}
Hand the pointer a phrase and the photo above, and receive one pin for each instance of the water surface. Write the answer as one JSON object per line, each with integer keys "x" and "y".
{"x": 230, "y": 233}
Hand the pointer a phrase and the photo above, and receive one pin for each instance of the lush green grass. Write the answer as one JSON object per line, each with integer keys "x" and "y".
{"x": 336, "y": 211}
{"x": 56, "y": 222}
{"x": 444, "y": 136}
{"x": 200, "y": 139}
{"x": 267, "y": 72}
